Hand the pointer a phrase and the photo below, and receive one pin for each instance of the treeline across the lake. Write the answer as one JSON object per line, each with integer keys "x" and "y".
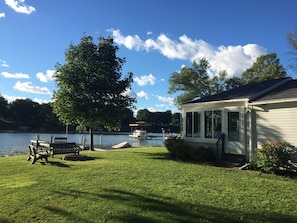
{"x": 27, "y": 115}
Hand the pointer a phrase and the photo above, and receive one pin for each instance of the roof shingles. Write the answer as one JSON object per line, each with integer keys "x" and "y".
{"x": 288, "y": 89}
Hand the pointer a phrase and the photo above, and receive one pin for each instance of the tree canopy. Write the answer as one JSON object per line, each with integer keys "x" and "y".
{"x": 3, "y": 106}
{"x": 90, "y": 86}
{"x": 292, "y": 38}
{"x": 195, "y": 81}
{"x": 267, "y": 67}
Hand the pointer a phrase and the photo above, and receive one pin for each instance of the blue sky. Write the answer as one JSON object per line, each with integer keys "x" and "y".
{"x": 156, "y": 37}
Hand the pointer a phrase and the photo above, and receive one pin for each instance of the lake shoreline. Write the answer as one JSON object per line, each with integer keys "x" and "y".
{"x": 16, "y": 143}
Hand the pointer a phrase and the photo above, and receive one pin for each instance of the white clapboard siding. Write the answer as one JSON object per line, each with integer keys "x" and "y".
{"x": 277, "y": 125}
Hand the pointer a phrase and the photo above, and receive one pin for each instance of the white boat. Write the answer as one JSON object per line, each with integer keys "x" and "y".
{"x": 139, "y": 134}
{"x": 138, "y": 131}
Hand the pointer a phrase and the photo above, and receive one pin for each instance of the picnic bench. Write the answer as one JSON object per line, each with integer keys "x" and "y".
{"x": 56, "y": 146}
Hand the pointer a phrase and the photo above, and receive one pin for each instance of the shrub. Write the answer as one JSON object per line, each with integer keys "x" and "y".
{"x": 175, "y": 146}
{"x": 272, "y": 157}
{"x": 171, "y": 141}
{"x": 202, "y": 154}
{"x": 179, "y": 150}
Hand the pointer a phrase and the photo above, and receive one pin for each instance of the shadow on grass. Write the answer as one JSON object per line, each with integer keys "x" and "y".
{"x": 167, "y": 156}
{"x": 70, "y": 216}
{"x": 153, "y": 208}
{"x": 2, "y": 220}
{"x": 157, "y": 156}
{"x": 79, "y": 158}
{"x": 59, "y": 164}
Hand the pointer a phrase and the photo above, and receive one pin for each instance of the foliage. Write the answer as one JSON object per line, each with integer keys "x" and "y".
{"x": 202, "y": 154}
{"x": 233, "y": 82}
{"x": 140, "y": 185}
{"x": 267, "y": 67}
{"x": 178, "y": 149}
{"x": 195, "y": 82}
{"x": 292, "y": 38}
{"x": 271, "y": 157}
{"x": 24, "y": 114}
{"x": 91, "y": 90}
{"x": 3, "y": 106}
{"x": 170, "y": 122}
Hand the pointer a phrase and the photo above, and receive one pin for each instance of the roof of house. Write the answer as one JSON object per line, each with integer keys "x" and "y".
{"x": 258, "y": 91}
{"x": 284, "y": 91}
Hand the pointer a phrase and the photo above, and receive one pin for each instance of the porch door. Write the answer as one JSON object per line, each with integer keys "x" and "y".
{"x": 234, "y": 135}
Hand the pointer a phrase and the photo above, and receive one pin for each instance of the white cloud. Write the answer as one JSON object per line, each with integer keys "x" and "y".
{"x": 131, "y": 42}
{"x": 45, "y": 77}
{"x": 3, "y": 62}
{"x": 145, "y": 80}
{"x": 16, "y": 75}
{"x": 168, "y": 100}
{"x": 40, "y": 101}
{"x": 20, "y": 6}
{"x": 29, "y": 87}
{"x": 2, "y": 15}
{"x": 12, "y": 98}
{"x": 142, "y": 94}
{"x": 233, "y": 59}
{"x": 129, "y": 92}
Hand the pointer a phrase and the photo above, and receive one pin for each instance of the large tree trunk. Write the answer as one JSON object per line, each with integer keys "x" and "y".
{"x": 91, "y": 139}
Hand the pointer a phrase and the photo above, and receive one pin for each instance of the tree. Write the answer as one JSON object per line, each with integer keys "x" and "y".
{"x": 3, "y": 106}
{"x": 195, "y": 82}
{"x": 144, "y": 115}
{"x": 233, "y": 82}
{"x": 127, "y": 119}
{"x": 47, "y": 119}
{"x": 91, "y": 89}
{"x": 267, "y": 67}
{"x": 292, "y": 37}
{"x": 24, "y": 112}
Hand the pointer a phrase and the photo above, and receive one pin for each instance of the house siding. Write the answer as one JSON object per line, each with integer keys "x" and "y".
{"x": 276, "y": 124}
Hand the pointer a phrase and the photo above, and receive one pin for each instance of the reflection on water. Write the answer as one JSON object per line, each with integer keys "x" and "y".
{"x": 20, "y": 141}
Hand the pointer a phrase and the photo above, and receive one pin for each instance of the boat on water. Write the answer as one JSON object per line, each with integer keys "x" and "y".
{"x": 138, "y": 131}
{"x": 139, "y": 134}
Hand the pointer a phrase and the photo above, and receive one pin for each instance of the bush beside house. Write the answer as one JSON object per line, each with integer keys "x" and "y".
{"x": 178, "y": 149}
{"x": 273, "y": 157}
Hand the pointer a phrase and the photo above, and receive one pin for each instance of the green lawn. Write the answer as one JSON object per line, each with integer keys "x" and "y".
{"x": 140, "y": 185}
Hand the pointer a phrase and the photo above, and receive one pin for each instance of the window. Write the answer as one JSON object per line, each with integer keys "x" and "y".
{"x": 213, "y": 124}
{"x": 189, "y": 124}
{"x": 208, "y": 124}
{"x": 233, "y": 126}
{"x": 193, "y": 124}
{"x": 197, "y": 124}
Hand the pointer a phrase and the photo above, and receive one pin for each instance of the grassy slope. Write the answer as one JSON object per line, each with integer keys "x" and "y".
{"x": 140, "y": 185}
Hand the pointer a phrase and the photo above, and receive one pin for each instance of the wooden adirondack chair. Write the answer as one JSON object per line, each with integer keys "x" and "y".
{"x": 36, "y": 155}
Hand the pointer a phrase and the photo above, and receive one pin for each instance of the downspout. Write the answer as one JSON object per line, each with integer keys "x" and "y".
{"x": 248, "y": 134}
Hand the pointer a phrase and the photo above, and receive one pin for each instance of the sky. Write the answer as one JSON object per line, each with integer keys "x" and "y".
{"x": 157, "y": 38}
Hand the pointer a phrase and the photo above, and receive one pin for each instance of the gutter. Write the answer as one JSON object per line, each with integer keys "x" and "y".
{"x": 274, "y": 101}
{"x": 214, "y": 102}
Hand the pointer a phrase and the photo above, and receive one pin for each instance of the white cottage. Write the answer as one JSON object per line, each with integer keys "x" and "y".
{"x": 243, "y": 118}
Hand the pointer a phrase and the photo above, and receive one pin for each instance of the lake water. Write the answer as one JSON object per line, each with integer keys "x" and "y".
{"x": 17, "y": 143}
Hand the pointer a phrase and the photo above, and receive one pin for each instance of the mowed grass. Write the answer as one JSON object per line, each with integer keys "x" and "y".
{"x": 140, "y": 185}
